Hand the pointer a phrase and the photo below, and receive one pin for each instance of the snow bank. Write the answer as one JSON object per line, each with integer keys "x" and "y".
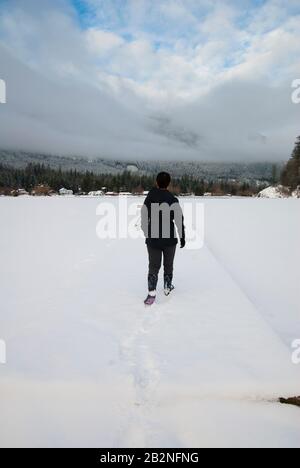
{"x": 296, "y": 193}
{"x": 274, "y": 192}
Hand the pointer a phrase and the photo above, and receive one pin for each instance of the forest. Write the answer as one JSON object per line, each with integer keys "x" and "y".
{"x": 40, "y": 179}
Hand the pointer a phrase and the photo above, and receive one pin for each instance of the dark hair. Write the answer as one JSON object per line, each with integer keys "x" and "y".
{"x": 163, "y": 180}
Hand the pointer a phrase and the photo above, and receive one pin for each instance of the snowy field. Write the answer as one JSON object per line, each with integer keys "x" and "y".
{"x": 89, "y": 365}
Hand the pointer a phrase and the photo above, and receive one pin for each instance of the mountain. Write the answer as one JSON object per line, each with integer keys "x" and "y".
{"x": 203, "y": 170}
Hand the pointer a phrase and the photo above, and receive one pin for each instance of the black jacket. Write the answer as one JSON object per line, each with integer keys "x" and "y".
{"x": 160, "y": 213}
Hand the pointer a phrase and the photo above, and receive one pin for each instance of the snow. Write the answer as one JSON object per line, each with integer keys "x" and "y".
{"x": 97, "y": 193}
{"x": 89, "y": 365}
{"x": 274, "y": 192}
{"x": 64, "y": 191}
{"x": 296, "y": 193}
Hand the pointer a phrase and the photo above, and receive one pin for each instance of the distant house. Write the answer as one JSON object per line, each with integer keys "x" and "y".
{"x": 19, "y": 192}
{"x": 97, "y": 193}
{"x": 187, "y": 194}
{"x": 64, "y": 191}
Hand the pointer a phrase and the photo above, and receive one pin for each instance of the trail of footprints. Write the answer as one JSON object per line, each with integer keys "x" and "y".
{"x": 144, "y": 368}
{"x": 140, "y": 360}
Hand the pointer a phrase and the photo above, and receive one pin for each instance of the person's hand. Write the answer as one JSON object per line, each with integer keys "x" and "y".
{"x": 182, "y": 243}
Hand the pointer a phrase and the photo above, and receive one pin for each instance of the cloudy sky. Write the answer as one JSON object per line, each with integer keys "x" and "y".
{"x": 161, "y": 79}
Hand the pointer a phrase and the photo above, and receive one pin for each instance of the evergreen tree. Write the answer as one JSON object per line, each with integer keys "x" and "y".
{"x": 291, "y": 174}
{"x": 274, "y": 174}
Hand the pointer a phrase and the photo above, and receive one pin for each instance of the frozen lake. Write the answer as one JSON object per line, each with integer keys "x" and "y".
{"x": 89, "y": 365}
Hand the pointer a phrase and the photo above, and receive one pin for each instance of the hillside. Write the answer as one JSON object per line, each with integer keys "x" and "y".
{"x": 201, "y": 170}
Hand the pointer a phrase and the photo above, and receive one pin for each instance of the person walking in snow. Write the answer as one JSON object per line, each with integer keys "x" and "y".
{"x": 161, "y": 212}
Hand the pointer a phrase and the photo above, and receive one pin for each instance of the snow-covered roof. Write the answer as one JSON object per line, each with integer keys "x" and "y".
{"x": 96, "y": 193}
{"x": 65, "y": 191}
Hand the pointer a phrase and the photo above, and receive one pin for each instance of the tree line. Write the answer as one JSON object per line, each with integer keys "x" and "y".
{"x": 42, "y": 179}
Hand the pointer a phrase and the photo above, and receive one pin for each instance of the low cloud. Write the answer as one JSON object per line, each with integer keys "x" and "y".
{"x": 218, "y": 90}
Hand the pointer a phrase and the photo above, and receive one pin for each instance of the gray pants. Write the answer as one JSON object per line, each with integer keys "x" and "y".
{"x": 155, "y": 260}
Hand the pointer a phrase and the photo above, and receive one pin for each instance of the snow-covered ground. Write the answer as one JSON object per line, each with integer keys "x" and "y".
{"x": 89, "y": 365}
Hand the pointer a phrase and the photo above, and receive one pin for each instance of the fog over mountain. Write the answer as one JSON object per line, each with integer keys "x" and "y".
{"x": 125, "y": 83}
